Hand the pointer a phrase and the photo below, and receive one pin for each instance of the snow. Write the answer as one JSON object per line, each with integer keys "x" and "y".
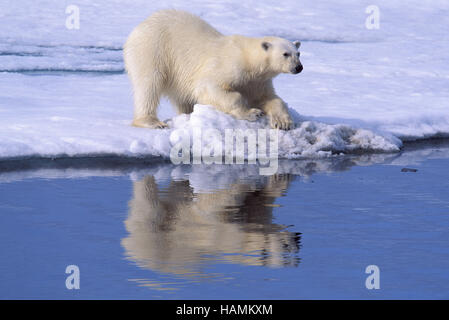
{"x": 63, "y": 92}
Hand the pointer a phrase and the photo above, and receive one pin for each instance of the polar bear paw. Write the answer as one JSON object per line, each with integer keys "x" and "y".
{"x": 281, "y": 121}
{"x": 254, "y": 114}
{"x": 150, "y": 123}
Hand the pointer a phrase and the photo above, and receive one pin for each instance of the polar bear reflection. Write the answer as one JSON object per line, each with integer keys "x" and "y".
{"x": 174, "y": 230}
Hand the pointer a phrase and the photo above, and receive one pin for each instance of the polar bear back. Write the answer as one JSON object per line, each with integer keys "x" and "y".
{"x": 174, "y": 38}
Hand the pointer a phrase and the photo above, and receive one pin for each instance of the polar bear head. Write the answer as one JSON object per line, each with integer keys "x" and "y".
{"x": 282, "y": 56}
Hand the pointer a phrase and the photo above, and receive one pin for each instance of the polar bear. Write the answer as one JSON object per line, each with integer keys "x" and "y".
{"x": 178, "y": 55}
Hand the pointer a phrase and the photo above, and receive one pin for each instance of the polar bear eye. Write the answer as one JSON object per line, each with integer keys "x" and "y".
{"x": 286, "y": 54}
{"x": 297, "y": 54}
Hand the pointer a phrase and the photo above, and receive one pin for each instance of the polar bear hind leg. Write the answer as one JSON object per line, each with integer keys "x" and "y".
{"x": 147, "y": 93}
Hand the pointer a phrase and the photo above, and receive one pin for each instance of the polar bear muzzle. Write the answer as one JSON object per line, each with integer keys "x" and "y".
{"x": 297, "y": 69}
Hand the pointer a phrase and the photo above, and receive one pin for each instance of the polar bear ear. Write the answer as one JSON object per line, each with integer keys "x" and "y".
{"x": 297, "y": 44}
{"x": 266, "y": 45}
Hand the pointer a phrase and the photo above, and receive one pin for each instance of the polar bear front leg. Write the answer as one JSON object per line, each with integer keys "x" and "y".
{"x": 230, "y": 102}
{"x": 276, "y": 110}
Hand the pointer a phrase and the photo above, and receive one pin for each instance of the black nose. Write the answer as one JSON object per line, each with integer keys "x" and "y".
{"x": 298, "y": 68}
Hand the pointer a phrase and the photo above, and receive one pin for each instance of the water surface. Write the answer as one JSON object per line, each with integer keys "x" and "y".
{"x": 146, "y": 230}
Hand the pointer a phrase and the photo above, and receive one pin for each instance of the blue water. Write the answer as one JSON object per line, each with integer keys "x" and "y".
{"x": 139, "y": 234}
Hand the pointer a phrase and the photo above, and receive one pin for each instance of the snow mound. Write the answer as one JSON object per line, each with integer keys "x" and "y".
{"x": 309, "y": 139}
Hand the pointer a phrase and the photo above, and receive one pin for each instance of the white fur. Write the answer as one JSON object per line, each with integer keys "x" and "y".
{"x": 176, "y": 54}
